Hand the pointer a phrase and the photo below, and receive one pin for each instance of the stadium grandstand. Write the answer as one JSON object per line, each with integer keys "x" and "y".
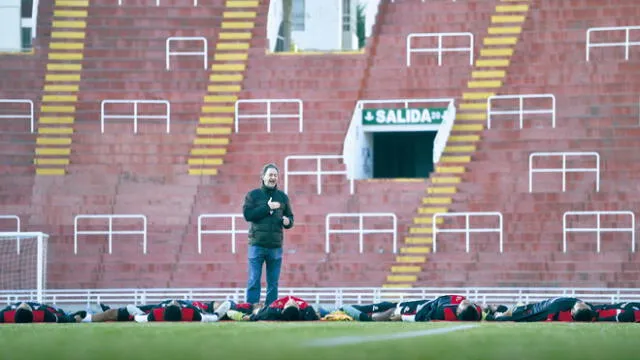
{"x": 484, "y": 148}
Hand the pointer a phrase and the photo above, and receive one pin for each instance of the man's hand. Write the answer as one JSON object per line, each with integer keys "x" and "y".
{"x": 285, "y": 221}
{"x": 273, "y": 205}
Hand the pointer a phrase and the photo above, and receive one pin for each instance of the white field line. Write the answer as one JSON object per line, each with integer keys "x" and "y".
{"x": 349, "y": 340}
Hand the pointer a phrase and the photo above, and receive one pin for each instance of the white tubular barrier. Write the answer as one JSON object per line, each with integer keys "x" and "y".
{"x": 467, "y": 230}
{"x": 598, "y": 229}
{"x": 439, "y": 49}
{"x": 110, "y": 232}
{"x": 626, "y": 44}
{"x": 337, "y": 296}
{"x": 135, "y": 116}
{"x": 232, "y": 232}
{"x": 195, "y": 2}
{"x": 361, "y": 231}
{"x": 269, "y": 115}
{"x": 17, "y": 219}
{"x": 202, "y": 53}
{"x": 30, "y": 116}
{"x": 318, "y": 172}
{"x": 564, "y": 169}
{"x": 521, "y": 111}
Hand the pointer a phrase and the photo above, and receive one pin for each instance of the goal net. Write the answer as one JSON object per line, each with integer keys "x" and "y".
{"x": 23, "y": 262}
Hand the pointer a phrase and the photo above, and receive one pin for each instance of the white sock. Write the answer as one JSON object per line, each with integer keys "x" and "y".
{"x": 87, "y": 318}
{"x": 209, "y": 318}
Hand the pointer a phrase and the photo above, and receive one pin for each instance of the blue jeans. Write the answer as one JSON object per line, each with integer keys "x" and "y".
{"x": 273, "y": 258}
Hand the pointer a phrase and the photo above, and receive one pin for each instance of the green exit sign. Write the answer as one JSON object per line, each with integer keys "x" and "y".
{"x": 405, "y": 116}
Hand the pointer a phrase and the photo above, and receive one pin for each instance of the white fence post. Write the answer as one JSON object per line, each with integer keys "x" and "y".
{"x": 318, "y": 172}
{"x": 30, "y": 116}
{"x": 521, "y": 111}
{"x": 564, "y": 170}
{"x": 169, "y": 53}
{"x": 17, "y": 219}
{"x": 269, "y": 113}
{"x": 598, "y": 229}
{"x": 104, "y": 116}
{"x": 110, "y": 232}
{"x": 232, "y": 232}
{"x": 626, "y": 44}
{"x": 361, "y": 231}
{"x": 467, "y": 230}
{"x": 439, "y": 49}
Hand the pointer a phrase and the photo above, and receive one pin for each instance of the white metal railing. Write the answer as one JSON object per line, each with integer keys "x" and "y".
{"x": 110, "y": 232}
{"x": 439, "y": 49}
{"x": 83, "y": 298}
{"x": 12, "y": 217}
{"x": 318, "y": 172}
{"x": 361, "y": 231}
{"x": 564, "y": 169}
{"x": 195, "y": 2}
{"x": 598, "y": 229}
{"x": 269, "y": 115}
{"x": 626, "y": 44}
{"x": 30, "y": 116}
{"x": 521, "y": 111}
{"x": 232, "y": 232}
{"x": 135, "y": 116}
{"x": 17, "y": 219}
{"x": 169, "y": 53}
{"x": 467, "y": 230}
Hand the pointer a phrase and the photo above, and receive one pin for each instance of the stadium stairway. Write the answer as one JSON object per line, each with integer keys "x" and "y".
{"x": 60, "y": 92}
{"x": 21, "y": 77}
{"x": 119, "y": 171}
{"x": 227, "y": 73}
{"x": 596, "y": 111}
{"x": 390, "y": 77}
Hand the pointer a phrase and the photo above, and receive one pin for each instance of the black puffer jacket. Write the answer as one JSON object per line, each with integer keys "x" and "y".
{"x": 266, "y": 225}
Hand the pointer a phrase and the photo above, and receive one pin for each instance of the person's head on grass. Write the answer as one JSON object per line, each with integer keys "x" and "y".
{"x": 291, "y": 311}
{"x": 24, "y": 314}
{"x": 468, "y": 311}
{"x": 173, "y": 312}
{"x": 581, "y": 312}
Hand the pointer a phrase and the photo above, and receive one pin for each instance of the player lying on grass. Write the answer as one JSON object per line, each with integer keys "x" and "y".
{"x": 128, "y": 313}
{"x": 372, "y": 312}
{"x": 32, "y": 312}
{"x": 444, "y": 308}
{"x": 620, "y": 312}
{"x": 176, "y": 311}
{"x": 288, "y": 308}
{"x": 555, "y": 309}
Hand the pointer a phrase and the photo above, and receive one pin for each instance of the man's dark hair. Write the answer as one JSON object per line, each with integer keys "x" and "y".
{"x": 291, "y": 313}
{"x": 583, "y": 315}
{"x": 470, "y": 313}
{"x": 23, "y": 316}
{"x": 267, "y": 167}
{"x": 172, "y": 313}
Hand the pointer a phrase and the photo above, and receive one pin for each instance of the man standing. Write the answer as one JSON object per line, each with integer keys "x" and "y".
{"x": 268, "y": 210}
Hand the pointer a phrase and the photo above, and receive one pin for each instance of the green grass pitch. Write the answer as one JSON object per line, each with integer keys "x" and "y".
{"x": 320, "y": 340}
